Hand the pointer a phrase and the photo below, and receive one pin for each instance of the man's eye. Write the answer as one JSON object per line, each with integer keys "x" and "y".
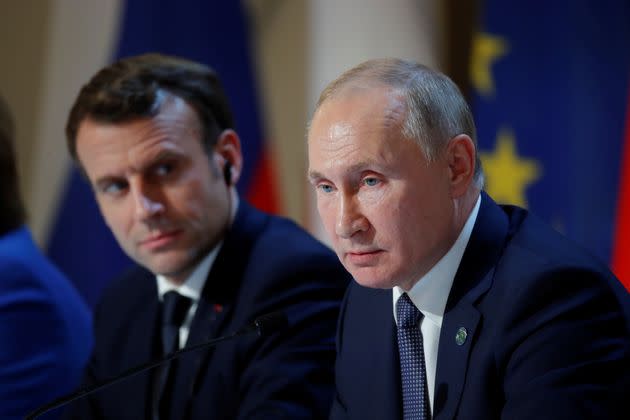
{"x": 114, "y": 188}
{"x": 370, "y": 182}
{"x": 163, "y": 169}
{"x": 325, "y": 188}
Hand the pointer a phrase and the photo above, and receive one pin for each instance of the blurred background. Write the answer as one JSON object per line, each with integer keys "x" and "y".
{"x": 549, "y": 84}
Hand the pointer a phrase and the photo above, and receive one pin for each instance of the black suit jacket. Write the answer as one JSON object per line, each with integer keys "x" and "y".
{"x": 266, "y": 264}
{"x": 548, "y": 333}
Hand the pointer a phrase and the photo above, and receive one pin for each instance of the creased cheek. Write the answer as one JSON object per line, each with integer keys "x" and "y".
{"x": 375, "y": 198}
{"x": 338, "y": 249}
{"x": 328, "y": 221}
{"x": 192, "y": 209}
{"x": 329, "y": 227}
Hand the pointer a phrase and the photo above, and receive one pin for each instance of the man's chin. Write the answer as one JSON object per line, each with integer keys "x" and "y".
{"x": 373, "y": 282}
{"x": 175, "y": 271}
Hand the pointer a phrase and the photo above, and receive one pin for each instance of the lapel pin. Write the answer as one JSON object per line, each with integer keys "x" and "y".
{"x": 460, "y": 336}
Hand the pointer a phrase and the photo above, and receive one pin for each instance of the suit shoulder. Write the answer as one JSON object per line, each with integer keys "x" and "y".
{"x": 541, "y": 265}
{"x": 285, "y": 241}
{"x": 286, "y": 262}
{"x": 537, "y": 244}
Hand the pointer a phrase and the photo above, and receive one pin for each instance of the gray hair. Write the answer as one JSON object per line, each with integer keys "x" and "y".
{"x": 436, "y": 108}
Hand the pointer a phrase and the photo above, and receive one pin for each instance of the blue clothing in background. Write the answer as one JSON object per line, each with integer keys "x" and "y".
{"x": 45, "y": 328}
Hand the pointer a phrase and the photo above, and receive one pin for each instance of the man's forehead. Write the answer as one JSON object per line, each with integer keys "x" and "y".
{"x": 358, "y": 117}
{"x": 104, "y": 147}
{"x": 363, "y": 103}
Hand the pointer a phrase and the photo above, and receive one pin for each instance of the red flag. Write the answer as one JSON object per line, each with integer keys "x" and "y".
{"x": 621, "y": 249}
{"x": 262, "y": 191}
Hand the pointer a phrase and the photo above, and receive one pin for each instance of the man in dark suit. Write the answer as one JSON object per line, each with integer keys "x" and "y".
{"x": 154, "y": 136}
{"x": 45, "y": 327}
{"x": 460, "y": 308}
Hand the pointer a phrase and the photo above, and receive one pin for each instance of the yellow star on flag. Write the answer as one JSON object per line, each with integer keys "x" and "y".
{"x": 486, "y": 49}
{"x": 508, "y": 175}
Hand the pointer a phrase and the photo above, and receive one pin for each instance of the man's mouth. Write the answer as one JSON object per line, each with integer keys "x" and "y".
{"x": 160, "y": 240}
{"x": 363, "y": 257}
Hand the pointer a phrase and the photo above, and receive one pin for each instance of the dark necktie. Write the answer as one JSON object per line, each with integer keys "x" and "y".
{"x": 174, "y": 310}
{"x": 412, "y": 367}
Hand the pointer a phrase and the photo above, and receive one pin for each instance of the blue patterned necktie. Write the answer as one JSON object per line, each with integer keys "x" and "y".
{"x": 412, "y": 367}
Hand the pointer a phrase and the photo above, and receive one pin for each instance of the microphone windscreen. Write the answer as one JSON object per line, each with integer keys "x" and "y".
{"x": 270, "y": 323}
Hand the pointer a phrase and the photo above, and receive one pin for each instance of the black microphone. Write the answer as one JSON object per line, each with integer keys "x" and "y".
{"x": 262, "y": 326}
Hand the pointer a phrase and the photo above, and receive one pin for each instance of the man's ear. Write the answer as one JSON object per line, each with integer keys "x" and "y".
{"x": 460, "y": 155}
{"x": 228, "y": 147}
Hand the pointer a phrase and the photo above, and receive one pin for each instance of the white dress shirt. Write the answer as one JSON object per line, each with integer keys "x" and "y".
{"x": 430, "y": 294}
{"x": 191, "y": 288}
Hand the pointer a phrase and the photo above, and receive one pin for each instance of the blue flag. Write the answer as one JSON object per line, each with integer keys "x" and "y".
{"x": 550, "y": 83}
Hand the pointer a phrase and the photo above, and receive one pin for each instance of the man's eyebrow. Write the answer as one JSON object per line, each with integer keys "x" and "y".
{"x": 150, "y": 161}
{"x": 354, "y": 168}
{"x": 314, "y": 175}
{"x": 163, "y": 154}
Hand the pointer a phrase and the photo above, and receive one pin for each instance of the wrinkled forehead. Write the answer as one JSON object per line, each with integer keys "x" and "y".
{"x": 360, "y": 105}
{"x": 361, "y": 128}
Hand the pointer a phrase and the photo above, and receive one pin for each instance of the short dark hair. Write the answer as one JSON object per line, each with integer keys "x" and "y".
{"x": 12, "y": 211}
{"x": 130, "y": 89}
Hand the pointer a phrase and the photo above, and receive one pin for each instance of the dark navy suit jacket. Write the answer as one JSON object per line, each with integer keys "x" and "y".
{"x": 548, "y": 333}
{"x": 45, "y": 329}
{"x": 266, "y": 264}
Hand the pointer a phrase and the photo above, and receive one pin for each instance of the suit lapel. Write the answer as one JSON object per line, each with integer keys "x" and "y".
{"x": 215, "y": 307}
{"x": 461, "y": 317}
{"x": 461, "y": 324}
{"x": 143, "y": 339}
{"x": 191, "y": 367}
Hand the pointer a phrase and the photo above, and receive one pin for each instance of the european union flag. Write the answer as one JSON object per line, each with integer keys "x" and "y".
{"x": 551, "y": 83}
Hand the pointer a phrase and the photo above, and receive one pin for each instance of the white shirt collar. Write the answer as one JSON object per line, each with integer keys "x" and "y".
{"x": 193, "y": 285}
{"x": 430, "y": 293}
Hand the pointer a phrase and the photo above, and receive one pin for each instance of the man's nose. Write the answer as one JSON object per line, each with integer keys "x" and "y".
{"x": 146, "y": 201}
{"x": 350, "y": 219}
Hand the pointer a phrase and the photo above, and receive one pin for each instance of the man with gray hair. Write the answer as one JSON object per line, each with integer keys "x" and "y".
{"x": 460, "y": 308}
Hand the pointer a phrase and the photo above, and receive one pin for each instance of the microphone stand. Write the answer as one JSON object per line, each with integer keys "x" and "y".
{"x": 261, "y": 326}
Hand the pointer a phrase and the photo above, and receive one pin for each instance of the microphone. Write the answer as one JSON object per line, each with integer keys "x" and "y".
{"x": 262, "y": 326}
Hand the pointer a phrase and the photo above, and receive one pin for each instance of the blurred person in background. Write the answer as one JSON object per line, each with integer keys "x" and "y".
{"x": 45, "y": 327}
